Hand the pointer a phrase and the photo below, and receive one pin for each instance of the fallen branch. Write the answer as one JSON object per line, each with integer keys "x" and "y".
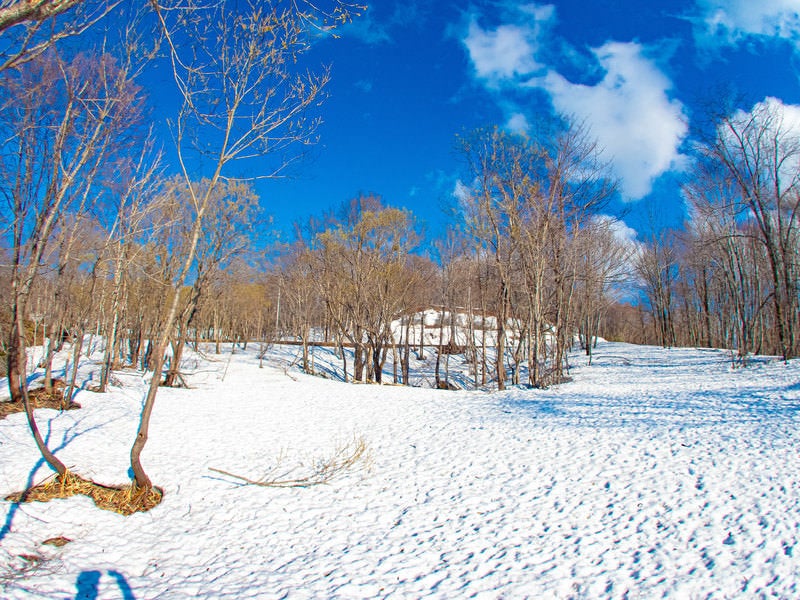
{"x": 344, "y": 458}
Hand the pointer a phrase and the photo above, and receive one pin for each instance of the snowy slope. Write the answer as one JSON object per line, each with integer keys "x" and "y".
{"x": 654, "y": 473}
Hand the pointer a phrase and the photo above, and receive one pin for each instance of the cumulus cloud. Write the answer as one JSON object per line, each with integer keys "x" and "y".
{"x": 624, "y": 234}
{"x": 508, "y": 51}
{"x": 731, "y": 20}
{"x": 779, "y": 121}
{"x": 788, "y": 115}
{"x": 500, "y": 54}
{"x": 770, "y": 115}
{"x": 629, "y": 112}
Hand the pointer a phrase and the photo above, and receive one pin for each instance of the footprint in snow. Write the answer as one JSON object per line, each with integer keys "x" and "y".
{"x": 729, "y": 541}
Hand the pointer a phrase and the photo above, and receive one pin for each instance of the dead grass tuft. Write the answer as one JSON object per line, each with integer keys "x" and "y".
{"x": 33, "y": 559}
{"x": 124, "y": 500}
{"x": 16, "y": 567}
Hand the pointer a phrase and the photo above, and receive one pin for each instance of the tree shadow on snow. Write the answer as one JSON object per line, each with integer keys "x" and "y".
{"x": 88, "y": 585}
{"x": 765, "y": 407}
{"x": 69, "y": 435}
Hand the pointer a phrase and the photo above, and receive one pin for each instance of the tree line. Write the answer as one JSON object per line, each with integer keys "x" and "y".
{"x": 731, "y": 277}
{"x": 530, "y": 261}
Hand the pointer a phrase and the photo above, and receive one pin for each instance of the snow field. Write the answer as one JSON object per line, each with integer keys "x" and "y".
{"x": 653, "y": 474}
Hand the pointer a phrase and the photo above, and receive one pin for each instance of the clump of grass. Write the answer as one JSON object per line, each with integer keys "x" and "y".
{"x": 125, "y": 500}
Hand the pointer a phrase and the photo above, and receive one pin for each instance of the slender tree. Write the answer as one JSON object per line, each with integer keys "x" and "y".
{"x": 234, "y": 66}
{"x": 60, "y": 121}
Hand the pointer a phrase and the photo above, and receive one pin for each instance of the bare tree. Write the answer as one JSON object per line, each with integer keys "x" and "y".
{"x": 61, "y": 119}
{"x": 656, "y": 265}
{"x": 230, "y": 216}
{"x": 603, "y": 265}
{"x": 761, "y": 154}
{"x": 530, "y": 200}
{"x": 234, "y": 67}
{"x": 365, "y": 284}
{"x": 30, "y": 27}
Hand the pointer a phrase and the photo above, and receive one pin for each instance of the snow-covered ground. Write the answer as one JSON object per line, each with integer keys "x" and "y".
{"x": 653, "y": 473}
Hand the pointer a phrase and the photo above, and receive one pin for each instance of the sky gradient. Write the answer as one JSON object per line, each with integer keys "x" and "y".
{"x": 408, "y": 77}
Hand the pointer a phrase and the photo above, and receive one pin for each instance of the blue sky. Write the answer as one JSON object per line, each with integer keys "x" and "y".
{"x": 407, "y": 77}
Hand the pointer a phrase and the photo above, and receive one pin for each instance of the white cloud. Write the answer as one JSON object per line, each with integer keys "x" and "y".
{"x": 780, "y": 122}
{"x": 509, "y": 51}
{"x": 462, "y": 192}
{"x": 518, "y": 123}
{"x": 624, "y": 234}
{"x": 788, "y": 115}
{"x": 731, "y": 20}
{"x": 500, "y": 54}
{"x": 629, "y": 112}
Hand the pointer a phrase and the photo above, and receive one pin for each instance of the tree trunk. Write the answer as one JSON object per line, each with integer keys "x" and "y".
{"x": 344, "y": 358}
{"x": 358, "y": 362}
{"x": 18, "y": 387}
{"x": 500, "y": 367}
{"x": 406, "y": 352}
{"x": 69, "y": 392}
{"x": 174, "y": 371}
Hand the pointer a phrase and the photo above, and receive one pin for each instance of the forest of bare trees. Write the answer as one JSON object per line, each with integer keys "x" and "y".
{"x": 731, "y": 278}
{"x": 112, "y": 246}
{"x": 98, "y": 242}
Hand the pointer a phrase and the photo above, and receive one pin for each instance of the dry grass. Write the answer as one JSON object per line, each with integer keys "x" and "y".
{"x": 16, "y": 568}
{"x": 39, "y": 398}
{"x": 124, "y": 500}
{"x": 345, "y": 458}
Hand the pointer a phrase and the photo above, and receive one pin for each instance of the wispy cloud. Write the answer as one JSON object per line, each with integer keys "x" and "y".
{"x": 730, "y": 21}
{"x": 368, "y": 30}
{"x": 364, "y": 85}
{"x": 373, "y": 29}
